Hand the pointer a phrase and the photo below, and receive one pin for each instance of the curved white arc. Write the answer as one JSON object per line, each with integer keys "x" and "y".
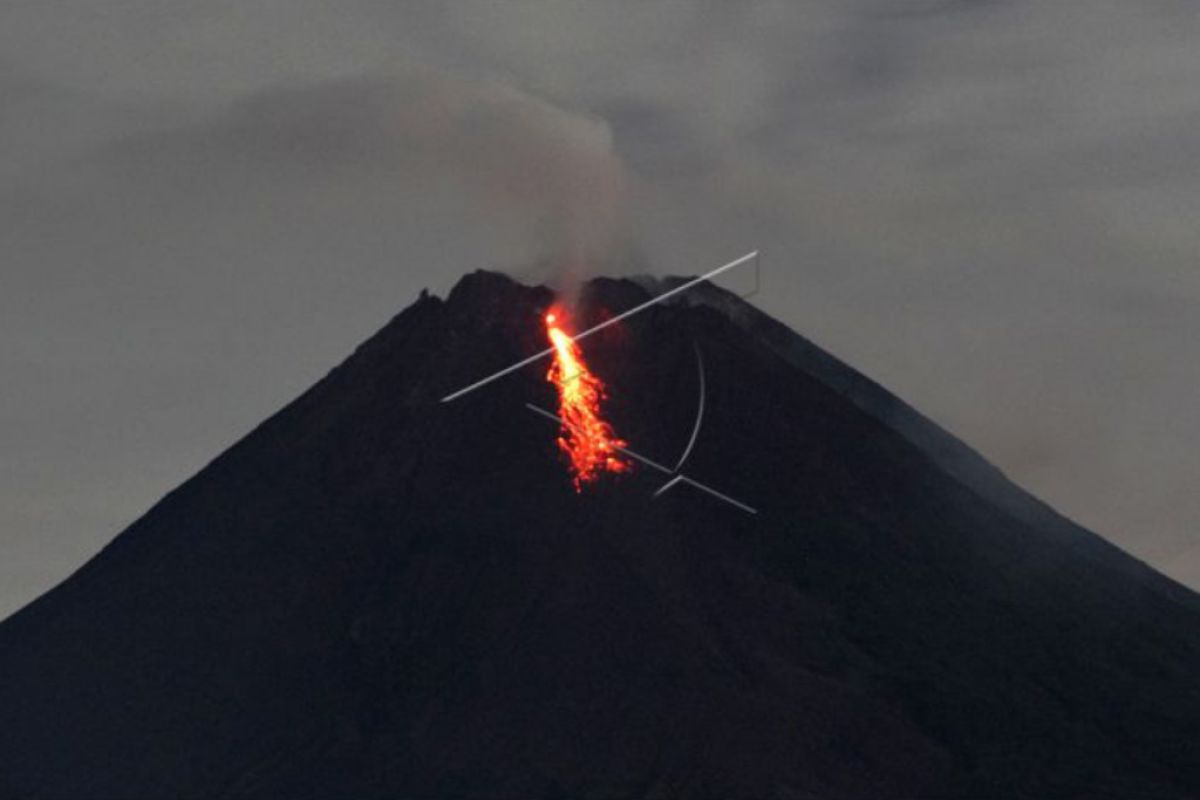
{"x": 687, "y": 451}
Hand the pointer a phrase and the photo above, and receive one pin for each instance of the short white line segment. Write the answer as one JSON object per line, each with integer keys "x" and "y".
{"x": 678, "y": 478}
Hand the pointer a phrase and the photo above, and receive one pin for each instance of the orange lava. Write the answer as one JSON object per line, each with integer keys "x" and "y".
{"x": 587, "y": 440}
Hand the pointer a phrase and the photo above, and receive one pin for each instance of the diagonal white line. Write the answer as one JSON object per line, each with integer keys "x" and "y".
{"x": 653, "y": 464}
{"x": 595, "y": 328}
{"x": 624, "y": 451}
{"x": 715, "y": 493}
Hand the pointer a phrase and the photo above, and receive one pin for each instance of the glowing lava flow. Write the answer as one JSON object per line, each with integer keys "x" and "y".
{"x": 586, "y": 438}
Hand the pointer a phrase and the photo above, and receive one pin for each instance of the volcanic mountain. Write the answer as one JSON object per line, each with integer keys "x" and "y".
{"x": 379, "y": 595}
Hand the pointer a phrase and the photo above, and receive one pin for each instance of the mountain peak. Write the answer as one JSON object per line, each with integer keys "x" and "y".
{"x": 377, "y": 594}
{"x": 483, "y": 285}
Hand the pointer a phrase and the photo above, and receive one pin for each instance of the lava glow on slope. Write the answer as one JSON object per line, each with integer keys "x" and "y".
{"x": 587, "y": 440}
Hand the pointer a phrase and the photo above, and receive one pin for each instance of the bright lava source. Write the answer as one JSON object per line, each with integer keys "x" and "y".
{"x": 587, "y": 440}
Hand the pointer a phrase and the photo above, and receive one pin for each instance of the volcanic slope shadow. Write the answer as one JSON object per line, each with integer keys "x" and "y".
{"x": 375, "y": 594}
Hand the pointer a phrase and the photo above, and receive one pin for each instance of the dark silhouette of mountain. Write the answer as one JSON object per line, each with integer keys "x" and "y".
{"x": 377, "y": 595}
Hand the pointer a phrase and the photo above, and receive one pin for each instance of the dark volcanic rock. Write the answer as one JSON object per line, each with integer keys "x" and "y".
{"x": 377, "y": 595}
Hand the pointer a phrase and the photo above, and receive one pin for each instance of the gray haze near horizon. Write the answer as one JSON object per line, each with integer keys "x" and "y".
{"x": 989, "y": 207}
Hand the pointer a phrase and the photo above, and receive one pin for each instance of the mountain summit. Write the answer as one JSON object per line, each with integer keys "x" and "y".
{"x": 379, "y": 595}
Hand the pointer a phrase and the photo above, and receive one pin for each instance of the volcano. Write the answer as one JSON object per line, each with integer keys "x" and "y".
{"x": 375, "y": 594}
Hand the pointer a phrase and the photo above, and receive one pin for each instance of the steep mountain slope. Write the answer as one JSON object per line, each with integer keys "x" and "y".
{"x": 375, "y": 594}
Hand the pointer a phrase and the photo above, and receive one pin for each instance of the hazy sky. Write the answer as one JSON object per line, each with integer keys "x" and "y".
{"x": 989, "y": 207}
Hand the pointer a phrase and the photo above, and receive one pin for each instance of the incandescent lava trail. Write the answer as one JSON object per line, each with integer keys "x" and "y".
{"x": 586, "y": 439}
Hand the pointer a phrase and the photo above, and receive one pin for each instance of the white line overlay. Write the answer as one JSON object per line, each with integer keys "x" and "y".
{"x": 611, "y": 321}
{"x": 677, "y": 477}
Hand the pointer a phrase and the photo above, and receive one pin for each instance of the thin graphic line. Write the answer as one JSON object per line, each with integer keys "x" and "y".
{"x": 596, "y": 328}
{"x": 699, "y": 413}
{"x": 757, "y": 278}
{"x": 622, "y": 450}
{"x": 668, "y": 485}
{"x": 685, "y": 479}
{"x": 676, "y": 478}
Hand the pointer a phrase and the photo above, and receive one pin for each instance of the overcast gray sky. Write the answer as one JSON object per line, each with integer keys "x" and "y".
{"x": 989, "y": 207}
